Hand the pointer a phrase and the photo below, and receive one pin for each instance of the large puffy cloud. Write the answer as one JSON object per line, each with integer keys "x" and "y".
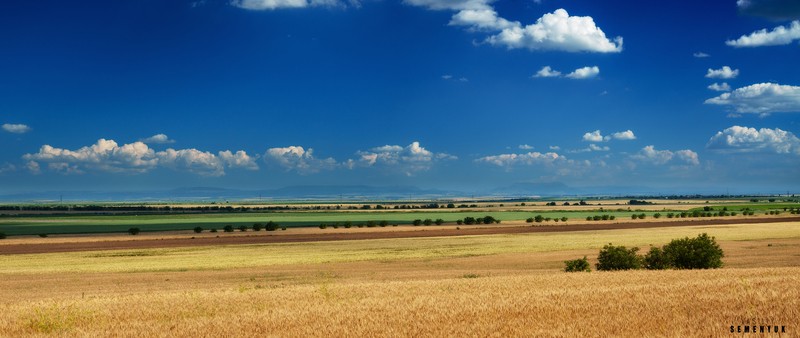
{"x": 651, "y": 155}
{"x": 104, "y": 155}
{"x": 777, "y": 36}
{"x": 192, "y": 160}
{"x": 557, "y": 31}
{"x": 772, "y": 9}
{"x": 16, "y": 128}
{"x": 761, "y": 98}
{"x": 745, "y": 139}
{"x": 409, "y": 159}
{"x": 594, "y": 136}
{"x": 137, "y": 157}
{"x": 297, "y": 158}
{"x": 723, "y": 73}
{"x": 553, "y": 31}
{"x": 239, "y": 159}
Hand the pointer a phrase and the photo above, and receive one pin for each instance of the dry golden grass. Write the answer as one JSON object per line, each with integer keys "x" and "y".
{"x": 633, "y": 304}
{"x": 504, "y": 285}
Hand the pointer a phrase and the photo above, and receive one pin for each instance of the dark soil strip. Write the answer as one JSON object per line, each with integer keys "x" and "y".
{"x": 266, "y": 237}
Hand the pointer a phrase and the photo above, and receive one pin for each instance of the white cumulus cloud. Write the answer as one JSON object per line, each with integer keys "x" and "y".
{"x": 553, "y": 31}
{"x": 239, "y": 159}
{"x": 777, "y": 36}
{"x": 104, "y": 155}
{"x": 409, "y": 159}
{"x": 720, "y": 87}
{"x": 584, "y": 73}
{"x": 525, "y": 147}
{"x": 761, "y": 98}
{"x": 158, "y": 139}
{"x": 485, "y": 19}
{"x": 531, "y": 158}
{"x": 723, "y": 73}
{"x": 651, "y": 155}
{"x": 199, "y": 162}
{"x": 597, "y": 136}
{"x": 701, "y": 55}
{"x": 298, "y": 159}
{"x": 557, "y": 31}
{"x": 16, "y": 128}
{"x": 134, "y": 158}
{"x": 745, "y": 139}
{"x": 624, "y": 135}
{"x": 546, "y": 71}
{"x": 594, "y": 136}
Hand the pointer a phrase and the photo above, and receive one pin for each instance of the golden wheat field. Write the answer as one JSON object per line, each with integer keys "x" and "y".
{"x": 495, "y": 285}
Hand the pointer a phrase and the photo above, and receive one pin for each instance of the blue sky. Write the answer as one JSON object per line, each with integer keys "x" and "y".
{"x": 448, "y": 94}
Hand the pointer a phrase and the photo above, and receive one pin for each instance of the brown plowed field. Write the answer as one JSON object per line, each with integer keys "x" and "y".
{"x": 266, "y": 237}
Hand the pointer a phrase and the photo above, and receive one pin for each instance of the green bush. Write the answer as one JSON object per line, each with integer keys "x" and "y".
{"x": 271, "y": 226}
{"x": 538, "y": 218}
{"x": 701, "y": 252}
{"x": 257, "y": 226}
{"x": 417, "y": 222}
{"x": 383, "y": 223}
{"x": 228, "y": 228}
{"x": 348, "y": 224}
{"x": 2, "y": 235}
{"x": 45, "y": 235}
{"x": 655, "y": 259}
{"x": 577, "y": 265}
{"x": 438, "y": 221}
{"x": 243, "y": 228}
{"x": 529, "y": 220}
{"x": 589, "y": 218}
{"x": 323, "y": 226}
{"x": 564, "y": 219}
{"x": 460, "y": 222}
{"x": 427, "y": 221}
{"x": 213, "y": 230}
{"x": 371, "y": 224}
{"x": 618, "y": 258}
{"x": 132, "y": 231}
{"x": 198, "y": 229}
